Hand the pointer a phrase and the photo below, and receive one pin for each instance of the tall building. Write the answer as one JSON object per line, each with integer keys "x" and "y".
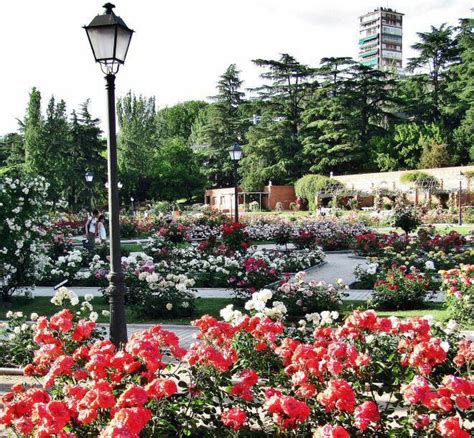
{"x": 380, "y": 39}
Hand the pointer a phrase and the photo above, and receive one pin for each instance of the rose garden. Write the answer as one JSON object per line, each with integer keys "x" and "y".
{"x": 290, "y": 303}
{"x": 282, "y": 353}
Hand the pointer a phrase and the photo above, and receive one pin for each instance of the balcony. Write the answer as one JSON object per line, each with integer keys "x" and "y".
{"x": 392, "y": 30}
{"x": 368, "y": 38}
{"x": 370, "y": 63}
{"x": 368, "y": 54}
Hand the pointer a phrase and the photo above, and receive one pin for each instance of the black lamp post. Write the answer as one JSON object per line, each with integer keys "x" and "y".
{"x": 89, "y": 176}
{"x": 460, "y": 198}
{"x": 110, "y": 38}
{"x": 235, "y": 152}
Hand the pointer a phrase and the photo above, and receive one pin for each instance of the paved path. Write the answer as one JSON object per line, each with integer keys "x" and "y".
{"x": 338, "y": 265}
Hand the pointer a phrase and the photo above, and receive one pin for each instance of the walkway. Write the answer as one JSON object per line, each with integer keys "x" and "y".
{"x": 338, "y": 266}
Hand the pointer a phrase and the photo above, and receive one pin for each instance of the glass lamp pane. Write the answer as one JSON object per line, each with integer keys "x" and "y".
{"x": 102, "y": 41}
{"x": 123, "y": 41}
{"x": 237, "y": 155}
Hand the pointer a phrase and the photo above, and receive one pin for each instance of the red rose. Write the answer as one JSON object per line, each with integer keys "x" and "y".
{"x": 234, "y": 418}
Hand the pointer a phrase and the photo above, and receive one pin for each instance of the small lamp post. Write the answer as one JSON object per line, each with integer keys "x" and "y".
{"x": 460, "y": 198}
{"x": 235, "y": 152}
{"x": 109, "y": 38}
{"x": 132, "y": 200}
{"x": 89, "y": 176}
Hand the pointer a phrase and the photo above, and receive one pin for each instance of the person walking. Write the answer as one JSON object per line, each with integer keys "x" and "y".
{"x": 102, "y": 232}
{"x": 91, "y": 229}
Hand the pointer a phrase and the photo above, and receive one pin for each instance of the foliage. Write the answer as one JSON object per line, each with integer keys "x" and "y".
{"x": 137, "y": 139}
{"x": 406, "y": 219}
{"x": 309, "y": 186}
{"x": 234, "y": 237}
{"x": 458, "y": 285}
{"x": 400, "y": 290}
{"x": 248, "y": 374}
{"x": 19, "y": 336}
{"x": 419, "y": 179}
{"x": 301, "y": 298}
{"x": 24, "y": 216}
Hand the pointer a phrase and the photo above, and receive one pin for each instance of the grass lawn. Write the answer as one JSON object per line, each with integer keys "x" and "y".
{"x": 132, "y": 247}
{"x": 43, "y": 306}
{"x": 210, "y": 306}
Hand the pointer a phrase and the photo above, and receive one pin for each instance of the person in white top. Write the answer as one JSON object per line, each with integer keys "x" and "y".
{"x": 102, "y": 232}
{"x": 91, "y": 229}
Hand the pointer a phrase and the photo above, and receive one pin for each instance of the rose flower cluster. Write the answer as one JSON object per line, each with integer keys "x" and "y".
{"x": 364, "y": 376}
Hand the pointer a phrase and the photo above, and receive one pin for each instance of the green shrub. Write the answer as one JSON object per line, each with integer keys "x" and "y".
{"x": 309, "y": 186}
{"x": 400, "y": 290}
{"x": 406, "y": 219}
{"x": 419, "y": 179}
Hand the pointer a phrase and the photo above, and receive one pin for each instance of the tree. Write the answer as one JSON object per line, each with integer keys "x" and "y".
{"x": 178, "y": 120}
{"x": 437, "y": 51}
{"x": 33, "y": 133}
{"x": 290, "y": 84}
{"x": 136, "y": 143}
{"x": 56, "y": 159}
{"x": 274, "y": 149}
{"x": 462, "y": 89}
{"x": 224, "y": 123}
{"x": 343, "y": 116}
{"x": 12, "y": 150}
{"x": 176, "y": 173}
{"x": 405, "y": 148}
{"x": 435, "y": 155}
{"x": 87, "y": 150}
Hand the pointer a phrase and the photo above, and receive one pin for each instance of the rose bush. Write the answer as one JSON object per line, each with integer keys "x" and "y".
{"x": 458, "y": 285}
{"x": 24, "y": 216}
{"x": 401, "y": 289}
{"x": 250, "y": 374}
{"x": 301, "y": 297}
{"x": 18, "y": 340}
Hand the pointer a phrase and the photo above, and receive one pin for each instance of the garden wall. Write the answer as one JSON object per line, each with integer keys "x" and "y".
{"x": 448, "y": 177}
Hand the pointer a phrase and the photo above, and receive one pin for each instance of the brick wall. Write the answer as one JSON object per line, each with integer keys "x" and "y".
{"x": 284, "y": 194}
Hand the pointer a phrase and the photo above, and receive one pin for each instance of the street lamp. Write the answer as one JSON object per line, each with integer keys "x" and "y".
{"x": 460, "y": 198}
{"x": 235, "y": 152}
{"x": 119, "y": 185}
{"x": 89, "y": 178}
{"x": 109, "y": 38}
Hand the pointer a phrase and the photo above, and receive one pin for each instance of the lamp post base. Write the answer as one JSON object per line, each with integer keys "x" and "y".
{"x": 116, "y": 292}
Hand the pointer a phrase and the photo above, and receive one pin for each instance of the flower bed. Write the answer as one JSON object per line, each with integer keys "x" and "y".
{"x": 250, "y": 374}
{"x": 401, "y": 290}
{"x": 458, "y": 285}
{"x": 427, "y": 252}
{"x": 301, "y": 297}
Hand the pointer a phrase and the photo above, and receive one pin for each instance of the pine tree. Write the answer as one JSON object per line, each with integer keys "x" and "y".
{"x": 225, "y": 122}
{"x": 33, "y": 133}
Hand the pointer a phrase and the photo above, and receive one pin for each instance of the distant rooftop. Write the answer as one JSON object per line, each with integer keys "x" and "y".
{"x": 382, "y": 9}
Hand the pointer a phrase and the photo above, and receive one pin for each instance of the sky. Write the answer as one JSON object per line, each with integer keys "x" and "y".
{"x": 180, "y": 46}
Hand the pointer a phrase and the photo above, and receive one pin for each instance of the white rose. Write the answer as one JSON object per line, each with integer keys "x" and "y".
{"x": 430, "y": 265}
{"x": 88, "y": 297}
{"x": 93, "y": 316}
{"x": 169, "y": 306}
{"x": 105, "y": 313}
{"x": 34, "y": 316}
